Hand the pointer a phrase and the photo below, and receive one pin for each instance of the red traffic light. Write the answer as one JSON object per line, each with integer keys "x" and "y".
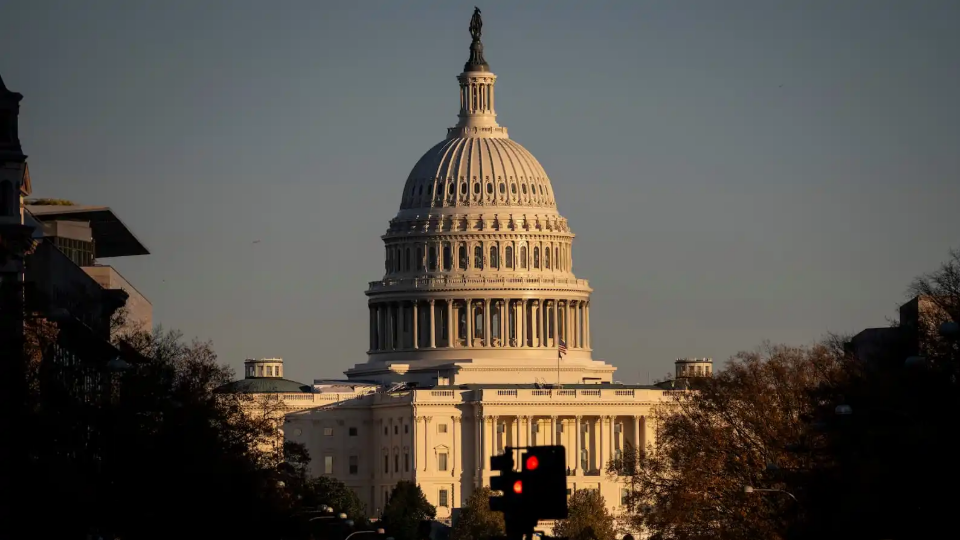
{"x": 518, "y": 487}
{"x": 532, "y": 463}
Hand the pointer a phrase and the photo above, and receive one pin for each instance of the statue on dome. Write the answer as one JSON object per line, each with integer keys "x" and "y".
{"x": 476, "y": 24}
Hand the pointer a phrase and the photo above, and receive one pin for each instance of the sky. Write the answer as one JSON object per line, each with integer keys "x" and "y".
{"x": 735, "y": 171}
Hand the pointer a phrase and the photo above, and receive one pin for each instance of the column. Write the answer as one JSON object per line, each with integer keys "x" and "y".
{"x": 553, "y": 431}
{"x": 427, "y": 454}
{"x": 586, "y": 327}
{"x": 401, "y": 338}
{"x": 416, "y": 324}
{"x": 489, "y": 431}
{"x": 556, "y": 324}
{"x": 516, "y": 431}
{"x": 469, "y": 305}
{"x": 568, "y": 325}
{"x": 636, "y": 434}
{"x": 487, "y": 334}
{"x": 478, "y": 445}
{"x": 454, "y": 451}
{"x": 373, "y": 327}
{"x": 534, "y": 327}
{"x": 577, "y": 433}
{"x": 433, "y": 324}
{"x": 451, "y": 324}
{"x": 603, "y": 442}
{"x": 521, "y": 323}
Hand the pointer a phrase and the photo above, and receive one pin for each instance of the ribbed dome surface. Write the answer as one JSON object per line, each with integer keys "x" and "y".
{"x": 477, "y": 171}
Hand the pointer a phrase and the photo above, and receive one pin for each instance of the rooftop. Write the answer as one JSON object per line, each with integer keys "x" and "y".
{"x": 265, "y": 385}
{"x": 110, "y": 236}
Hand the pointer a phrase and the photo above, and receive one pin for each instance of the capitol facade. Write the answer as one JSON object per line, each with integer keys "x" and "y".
{"x": 479, "y": 332}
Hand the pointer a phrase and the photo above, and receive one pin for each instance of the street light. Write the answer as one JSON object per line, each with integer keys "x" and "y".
{"x": 750, "y": 489}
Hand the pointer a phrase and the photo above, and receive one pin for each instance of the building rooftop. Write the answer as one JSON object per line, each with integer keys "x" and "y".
{"x": 110, "y": 236}
{"x": 495, "y": 386}
{"x": 265, "y": 385}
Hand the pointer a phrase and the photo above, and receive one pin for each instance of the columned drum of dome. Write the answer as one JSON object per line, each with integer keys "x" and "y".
{"x": 479, "y": 281}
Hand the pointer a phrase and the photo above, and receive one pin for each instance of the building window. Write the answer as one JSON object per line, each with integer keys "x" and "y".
{"x": 523, "y": 257}
{"x": 441, "y": 428}
{"x": 327, "y": 464}
{"x": 494, "y": 258}
{"x": 624, "y": 495}
{"x": 328, "y": 432}
{"x": 432, "y": 258}
{"x": 442, "y": 461}
{"x": 478, "y": 257}
{"x": 406, "y": 461}
{"x": 419, "y": 258}
{"x": 396, "y": 463}
{"x": 354, "y": 463}
{"x": 396, "y": 430}
{"x": 352, "y": 432}
{"x": 444, "y": 498}
{"x": 386, "y": 430}
{"x": 386, "y": 464}
{"x": 508, "y": 255}
{"x": 406, "y": 428}
{"x": 462, "y": 256}
{"x": 406, "y": 262}
{"x": 536, "y": 257}
{"x": 447, "y": 257}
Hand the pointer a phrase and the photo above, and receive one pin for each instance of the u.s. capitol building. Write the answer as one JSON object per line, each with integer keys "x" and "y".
{"x": 468, "y": 329}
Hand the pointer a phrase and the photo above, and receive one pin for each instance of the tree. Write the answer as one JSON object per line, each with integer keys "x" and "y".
{"x": 587, "y": 518}
{"x": 734, "y": 431}
{"x": 180, "y": 457}
{"x": 405, "y": 510}
{"x": 476, "y": 520}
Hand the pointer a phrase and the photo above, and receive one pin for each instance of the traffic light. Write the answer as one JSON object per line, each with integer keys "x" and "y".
{"x": 538, "y": 491}
{"x": 508, "y": 482}
{"x": 544, "y": 479}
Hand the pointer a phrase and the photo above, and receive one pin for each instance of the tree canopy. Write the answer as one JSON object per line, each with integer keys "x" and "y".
{"x": 587, "y": 518}
{"x": 476, "y": 521}
{"x": 405, "y": 510}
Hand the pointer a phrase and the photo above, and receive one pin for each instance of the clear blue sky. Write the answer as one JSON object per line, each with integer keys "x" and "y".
{"x": 735, "y": 171}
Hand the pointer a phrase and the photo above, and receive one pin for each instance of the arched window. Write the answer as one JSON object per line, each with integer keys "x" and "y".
{"x": 447, "y": 257}
{"x": 462, "y": 323}
{"x": 478, "y": 257}
{"x": 508, "y": 255}
{"x": 406, "y": 260}
{"x": 523, "y": 257}
{"x": 462, "y": 256}
{"x": 419, "y": 257}
{"x": 432, "y": 260}
{"x": 536, "y": 257}
{"x": 546, "y": 258}
{"x": 494, "y": 257}
{"x": 495, "y": 322}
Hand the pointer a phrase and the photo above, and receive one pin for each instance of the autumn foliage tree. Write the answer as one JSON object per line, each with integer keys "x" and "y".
{"x": 735, "y": 431}
{"x": 587, "y": 518}
{"x": 476, "y": 520}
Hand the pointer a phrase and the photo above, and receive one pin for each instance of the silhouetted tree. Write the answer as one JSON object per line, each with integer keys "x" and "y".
{"x": 405, "y": 510}
{"x": 587, "y": 518}
{"x": 729, "y": 434}
{"x": 476, "y": 521}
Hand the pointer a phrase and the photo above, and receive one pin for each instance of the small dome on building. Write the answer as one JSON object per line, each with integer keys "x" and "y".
{"x": 694, "y": 367}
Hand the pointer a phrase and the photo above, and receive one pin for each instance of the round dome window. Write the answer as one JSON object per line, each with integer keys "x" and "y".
{"x": 524, "y": 189}
{"x": 476, "y": 189}
{"x": 503, "y": 187}
{"x": 463, "y": 188}
{"x": 513, "y": 188}
{"x": 489, "y": 188}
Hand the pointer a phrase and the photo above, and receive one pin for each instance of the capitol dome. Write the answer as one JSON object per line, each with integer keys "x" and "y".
{"x": 477, "y": 171}
{"x": 479, "y": 284}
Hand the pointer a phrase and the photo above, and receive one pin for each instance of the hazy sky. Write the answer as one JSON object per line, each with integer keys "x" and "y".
{"x": 735, "y": 171}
